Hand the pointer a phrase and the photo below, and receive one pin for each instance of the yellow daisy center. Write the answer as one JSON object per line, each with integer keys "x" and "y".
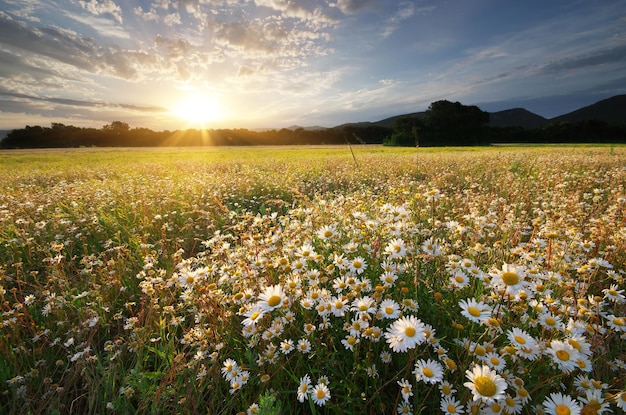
{"x": 550, "y": 321}
{"x": 485, "y": 386}
{"x": 409, "y": 331}
{"x": 389, "y": 310}
{"x": 562, "y": 410}
{"x": 459, "y": 279}
{"x": 351, "y": 340}
{"x": 473, "y": 311}
{"x": 510, "y": 278}
{"x": 520, "y": 339}
{"x": 562, "y": 355}
{"x": 452, "y": 409}
{"x": 427, "y": 372}
{"x": 320, "y": 394}
{"x": 495, "y": 361}
{"x": 254, "y": 315}
{"x": 618, "y": 321}
{"x": 189, "y": 279}
{"x": 274, "y": 300}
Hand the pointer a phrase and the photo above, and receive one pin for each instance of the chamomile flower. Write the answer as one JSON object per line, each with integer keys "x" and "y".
{"x": 511, "y": 279}
{"x": 304, "y": 346}
{"x": 564, "y": 355}
{"x": 357, "y": 265}
{"x": 271, "y": 298}
{"x": 405, "y": 408}
{"x": 389, "y": 309}
{"x": 405, "y": 333}
{"x": 406, "y": 389}
{"x": 620, "y": 401}
{"x": 559, "y": 404}
{"x": 395, "y": 248}
{"x": 485, "y": 384}
{"x": 428, "y": 371}
{"x": 304, "y": 388}
{"x": 526, "y": 344}
{"x": 614, "y": 294}
{"x": 475, "y": 311}
{"x": 451, "y": 406}
{"x": 320, "y": 394}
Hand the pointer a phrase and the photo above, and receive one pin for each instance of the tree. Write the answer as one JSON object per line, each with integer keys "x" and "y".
{"x": 452, "y": 123}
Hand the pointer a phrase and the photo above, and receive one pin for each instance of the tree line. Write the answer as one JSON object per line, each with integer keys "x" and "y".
{"x": 445, "y": 123}
{"x": 119, "y": 134}
{"x": 448, "y": 123}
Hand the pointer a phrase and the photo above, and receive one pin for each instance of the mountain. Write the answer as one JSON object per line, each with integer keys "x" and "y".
{"x": 611, "y": 110}
{"x": 516, "y": 117}
{"x": 311, "y": 128}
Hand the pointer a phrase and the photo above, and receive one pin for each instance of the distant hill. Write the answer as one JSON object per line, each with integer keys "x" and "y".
{"x": 611, "y": 110}
{"x": 516, "y": 117}
{"x": 311, "y": 128}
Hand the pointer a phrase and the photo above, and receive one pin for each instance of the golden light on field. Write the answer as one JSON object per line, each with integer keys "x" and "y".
{"x": 199, "y": 110}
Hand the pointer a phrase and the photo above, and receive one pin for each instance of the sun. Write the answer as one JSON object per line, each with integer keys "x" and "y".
{"x": 198, "y": 110}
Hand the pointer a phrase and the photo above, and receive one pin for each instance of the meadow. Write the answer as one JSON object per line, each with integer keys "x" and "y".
{"x": 313, "y": 280}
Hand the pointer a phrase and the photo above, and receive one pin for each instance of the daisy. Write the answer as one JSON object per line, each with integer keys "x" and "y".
{"x": 271, "y": 298}
{"x": 357, "y": 265}
{"x": 389, "y": 309}
{"x": 320, "y": 394}
{"x": 349, "y": 342}
{"x": 405, "y": 408}
{"x": 255, "y": 314}
{"x": 549, "y": 321}
{"x": 327, "y": 232}
{"x": 616, "y": 323}
{"x": 406, "y": 389}
{"x": 613, "y": 294}
{"x": 446, "y": 388}
{"x": 338, "y": 306}
{"x": 459, "y": 279}
{"x": 526, "y": 344}
{"x": 564, "y": 355}
{"x": 428, "y": 371}
{"x": 593, "y": 399}
{"x": 304, "y": 389}
{"x": 451, "y": 406}
{"x": 510, "y": 279}
{"x": 559, "y": 404}
{"x": 395, "y": 248}
{"x": 485, "y": 384}
{"x": 477, "y": 312}
{"x": 620, "y": 401}
{"x": 494, "y": 361}
{"x": 364, "y": 305}
{"x": 286, "y": 346}
{"x": 512, "y": 405}
{"x": 385, "y": 356}
{"x": 405, "y": 333}
{"x": 304, "y": 345}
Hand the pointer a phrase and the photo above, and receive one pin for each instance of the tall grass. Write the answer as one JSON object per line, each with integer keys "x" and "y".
{"x": 283, "y": 280}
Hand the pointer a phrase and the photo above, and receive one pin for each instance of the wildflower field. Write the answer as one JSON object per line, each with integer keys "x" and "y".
{"x": 331, "y": 280}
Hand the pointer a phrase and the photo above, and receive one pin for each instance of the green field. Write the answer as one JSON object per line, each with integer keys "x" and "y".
{"x": 313, "y": 280}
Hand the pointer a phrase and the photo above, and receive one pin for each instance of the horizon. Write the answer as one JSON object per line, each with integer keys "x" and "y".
{"x": 269, "y": 64}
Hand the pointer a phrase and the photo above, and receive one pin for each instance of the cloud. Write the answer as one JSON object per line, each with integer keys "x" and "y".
{"x": 103, "y": 7}
{"x": 25, "y": 98}
{"x": 354, "y": 6}
{"x": 615, "y": 54}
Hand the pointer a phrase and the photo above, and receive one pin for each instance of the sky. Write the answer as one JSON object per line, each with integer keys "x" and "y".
{"x": 177, "y": 64}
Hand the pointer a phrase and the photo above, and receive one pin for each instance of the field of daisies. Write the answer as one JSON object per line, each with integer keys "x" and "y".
{"x": 313, "y": 280}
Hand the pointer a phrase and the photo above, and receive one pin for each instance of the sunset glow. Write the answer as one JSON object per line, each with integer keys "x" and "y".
{"x": 199, "y": 111}
{"x": 273, "y": 64}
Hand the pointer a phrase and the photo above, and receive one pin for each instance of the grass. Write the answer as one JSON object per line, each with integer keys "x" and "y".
{"x": 282, "y": 280}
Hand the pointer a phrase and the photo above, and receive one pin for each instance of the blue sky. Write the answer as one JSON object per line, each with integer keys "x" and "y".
{"x": 171, "y": 64}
